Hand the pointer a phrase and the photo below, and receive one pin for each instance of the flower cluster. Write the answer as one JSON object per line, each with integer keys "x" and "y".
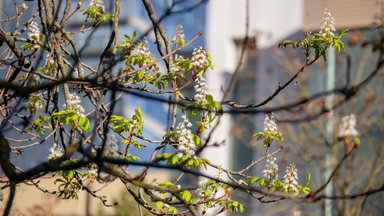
{"x": 73, "y": 103}
{"x": 186, "y": 145}
{"x": 174, "y": 68}
{"x": 290, "y": 178}
{"x": 97, "y": 3}
{"x": 270, "y": 123}
{"x": 348, "y": 127}
{"x": 201, "y": 90}
{"x": 271, "y": 169}
{"x": 93, "y": 174}
{"x": 204, "y": 183}
{"x": 37, "y": 101}
{"x": 55, "y": 151}
{"x": 142, "y": 48}
{"x": 179, "y": 34}
{"x": 199, "y": 57}
{"x": 34, "y": 32}
{"x": 327, "y": 24}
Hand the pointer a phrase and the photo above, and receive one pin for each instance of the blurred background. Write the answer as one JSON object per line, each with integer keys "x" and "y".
{"x": 311, "y": 144}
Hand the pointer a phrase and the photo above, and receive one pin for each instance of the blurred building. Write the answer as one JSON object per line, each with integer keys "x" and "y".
{"x": 264, "y": 67}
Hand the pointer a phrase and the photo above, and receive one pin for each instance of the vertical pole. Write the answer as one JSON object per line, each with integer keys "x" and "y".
{"x": 330, "y": 84}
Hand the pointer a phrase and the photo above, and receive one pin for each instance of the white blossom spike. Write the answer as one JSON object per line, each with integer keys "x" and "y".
{"x": 179, "y": 34}
{"x": 327, "y": 27}
{"x": 55, "y": 151}
{"x": 270, "y": 123}
{"x": 290, "y": 179}
{"x": 97, "y": 3}
{"x": 174, "y": 68}
{"x": 348, "y": 126}
{"x": 34, "y": 32}
{"x": 73, "y": 102}
{"x": 199, "y": 57}
{"x": 271, "y": 169}
{"x": 186, "y": 145}
{"x": 201, "y": 90}
{"x": 143, "y": 48}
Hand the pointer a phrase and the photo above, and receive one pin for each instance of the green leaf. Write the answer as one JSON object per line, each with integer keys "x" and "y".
{"x": 261, "y": 182}
{"x": 173, "y": 210}
{"x": 356, "y": 140}
{"x": 167, "y": 184}
{"x": 27, "y": 46}
{"x": 159, "y": 204}
{"x": 85, "y": 124}
{"x": 253, "y": 180}
{"x": 210, "y": 99}
{"x": 182, "y": 42}
{"x": 163, "y": 156}
{"x": 173, "y": 159}
{"x": 306, "y": 190}
{"x": 308, "y": 179}
{"x": 342, "y": 32}
{"x": 139, "y": 114}
{"x": 196, "y": 140}
{"x": 259, "y": 135}
{"x": 41, "y": 37}
{"x": 186, "y": 195}
{"x": 209, "y": 58}
{"x": 285, "y": 43}
{"x": 324, "y": 56}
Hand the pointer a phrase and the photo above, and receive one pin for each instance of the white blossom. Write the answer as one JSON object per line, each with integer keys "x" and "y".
{"x": 34, "y": 31}
{"x": 93, "y": 171}
{"x": 174, "y": 68}
{"x": 290, "y": 178}
{"x": 186, "y": 145}
{"x": 143, "y": 48}
{"x": 97, "y": 3}
{"x": 271, "y": 169}
{"x": 55, "y": 151}
{"x": 219, "y": 174}
{"x": 37, "y": 101}
{"x": 199, "y": 57}
{"x": 270, "y": 123}
{"x": 327, "y": 27}
{"x": 179, "y": 34}
{"x": 348, "y": 126}
{"x": 201, "y": 90}
{"x": 73, "y": 102}
{"x": 203, "y": 182}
